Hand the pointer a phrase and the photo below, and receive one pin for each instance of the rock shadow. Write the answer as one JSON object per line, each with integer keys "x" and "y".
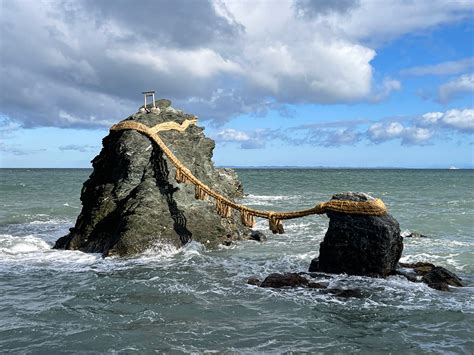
{"x": 161, "y": 174}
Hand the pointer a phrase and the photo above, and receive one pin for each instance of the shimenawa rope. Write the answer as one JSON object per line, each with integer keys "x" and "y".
{"x": 224, "y": 205}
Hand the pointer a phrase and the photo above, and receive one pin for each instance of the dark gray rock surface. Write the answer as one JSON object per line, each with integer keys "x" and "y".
{"x": 288, "y": 279}
{"x": 131, "y": 201}
{"x": 416, "y": 235}
{"x": 359, "y": 244}
{"x": 436, "y": 277}
{"x": 258, "y": 236}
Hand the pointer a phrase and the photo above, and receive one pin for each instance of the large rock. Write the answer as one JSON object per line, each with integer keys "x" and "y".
{"x": 358, "y": 244}
{"x": 132, "y": 202}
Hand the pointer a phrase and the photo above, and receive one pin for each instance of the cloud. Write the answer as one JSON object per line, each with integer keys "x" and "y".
{"x": 314, "y": 8}
{"x": 456, "y": 88}
{"x": 15, "y": 149}
{"x": 232, "y": 135}
{"x": 374, "y": 23}
{"x": 380, "y": 132}
{"x": 177, "y": 23}
{"x": 247, "y": 140}
{"x": 445, "y": 68}
{"x": 8, "y": 127}
{"x": 420, "y": 130}
{"x": 335, "y": 138}
{"x": 386, "y": 88}
{"x": 80, "y": 148}
{"x": 460, "y": 120}
{"x": 84, "y": 64}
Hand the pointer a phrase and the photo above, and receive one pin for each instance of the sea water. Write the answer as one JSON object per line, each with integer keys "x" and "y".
{"x": 197, "y": 300}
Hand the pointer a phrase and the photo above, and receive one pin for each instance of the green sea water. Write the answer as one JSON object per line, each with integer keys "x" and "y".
{"x": 197, "y": 300}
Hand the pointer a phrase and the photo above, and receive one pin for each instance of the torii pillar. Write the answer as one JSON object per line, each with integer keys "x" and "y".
{"x": 148, "y": 94}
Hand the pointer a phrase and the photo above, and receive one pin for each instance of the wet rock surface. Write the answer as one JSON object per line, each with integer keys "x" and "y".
{"x": 359, "y": 244}
{"x": 258, "y": 236}
{"x": 436, "y": 277}
{"x": 302, "y": 280}
{"x": 415, "y": 235}
{"x": 289, "y": 279}
{"x": 132, "y": 202}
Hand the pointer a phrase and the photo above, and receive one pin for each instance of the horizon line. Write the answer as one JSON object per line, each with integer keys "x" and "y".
{"x": 289, "y": 167}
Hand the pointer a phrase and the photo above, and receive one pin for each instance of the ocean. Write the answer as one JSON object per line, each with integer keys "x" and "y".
{"x": 194, "y": 300}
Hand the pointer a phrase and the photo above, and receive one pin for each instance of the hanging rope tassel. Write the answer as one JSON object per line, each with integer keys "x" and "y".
{"x": 247, "y": 219}
{"x": 199, "y": 193}
{"x": 223, "y": 209}
{"x": 181, "y": 177}
{"x": 228, "y": 211}
{"x": 275, "y": 224}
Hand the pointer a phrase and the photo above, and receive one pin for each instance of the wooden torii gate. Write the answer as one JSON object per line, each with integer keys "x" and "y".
{"x": 148, "y": 94}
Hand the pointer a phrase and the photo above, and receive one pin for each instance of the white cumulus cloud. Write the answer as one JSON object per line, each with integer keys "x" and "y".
{"x": 456, "y": 88}
{"x": 380, "y": 132}
{"x": 461, "y": 120}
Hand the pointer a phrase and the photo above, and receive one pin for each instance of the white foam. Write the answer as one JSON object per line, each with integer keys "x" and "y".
{"x": 17, "y": 245}
{"x": 33, "y": 252}
{"x": 53, "y": 221}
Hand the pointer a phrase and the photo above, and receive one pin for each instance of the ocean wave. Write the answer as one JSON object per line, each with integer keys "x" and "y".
{"x": 261, "y": 200}
{"x": 32, "y": 252}
{"x": 12, "y": 245}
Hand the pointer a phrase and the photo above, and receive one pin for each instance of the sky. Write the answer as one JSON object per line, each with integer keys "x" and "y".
{"x": 310, "y": 83}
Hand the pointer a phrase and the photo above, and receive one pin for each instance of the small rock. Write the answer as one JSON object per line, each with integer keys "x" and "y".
{"x": 409, "y": 275}
{"x": 316, "y": 285}
{"x": 416, "y": 235}
{"x": 436, "y": 277}
{"x": 421, "y": 268}
{"x": 258, "y": 236}
{"x": 314, "y": 266}
{"x": 254, "y": 281}
{"x": 439, "y": 278}
{"x": 288, "y": 279}
{"x": 356, "y": 293}
{"x": 163, "y": 103}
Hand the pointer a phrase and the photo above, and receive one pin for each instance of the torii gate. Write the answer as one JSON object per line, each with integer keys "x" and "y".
{"x": 148, "y": 94}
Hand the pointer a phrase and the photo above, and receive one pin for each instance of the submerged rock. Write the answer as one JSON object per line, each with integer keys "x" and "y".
{"x": 359, "y": 244}
{"x": 287, "y": 279}
{"x": 298, "y": 280}
{"x": 345, "y": 293}
{"x": 258, "y": 236}
{"x": 132, "y": 202}
{"x": 415, "y": 235}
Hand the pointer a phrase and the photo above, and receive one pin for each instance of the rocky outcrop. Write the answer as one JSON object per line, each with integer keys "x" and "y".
{"x": 131, "y": 201}
{"x": 436, "y": 277}
{"x": 359, "y": 244}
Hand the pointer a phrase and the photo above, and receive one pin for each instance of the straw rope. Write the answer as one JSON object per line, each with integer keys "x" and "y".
{"x": 224, "y": 205}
